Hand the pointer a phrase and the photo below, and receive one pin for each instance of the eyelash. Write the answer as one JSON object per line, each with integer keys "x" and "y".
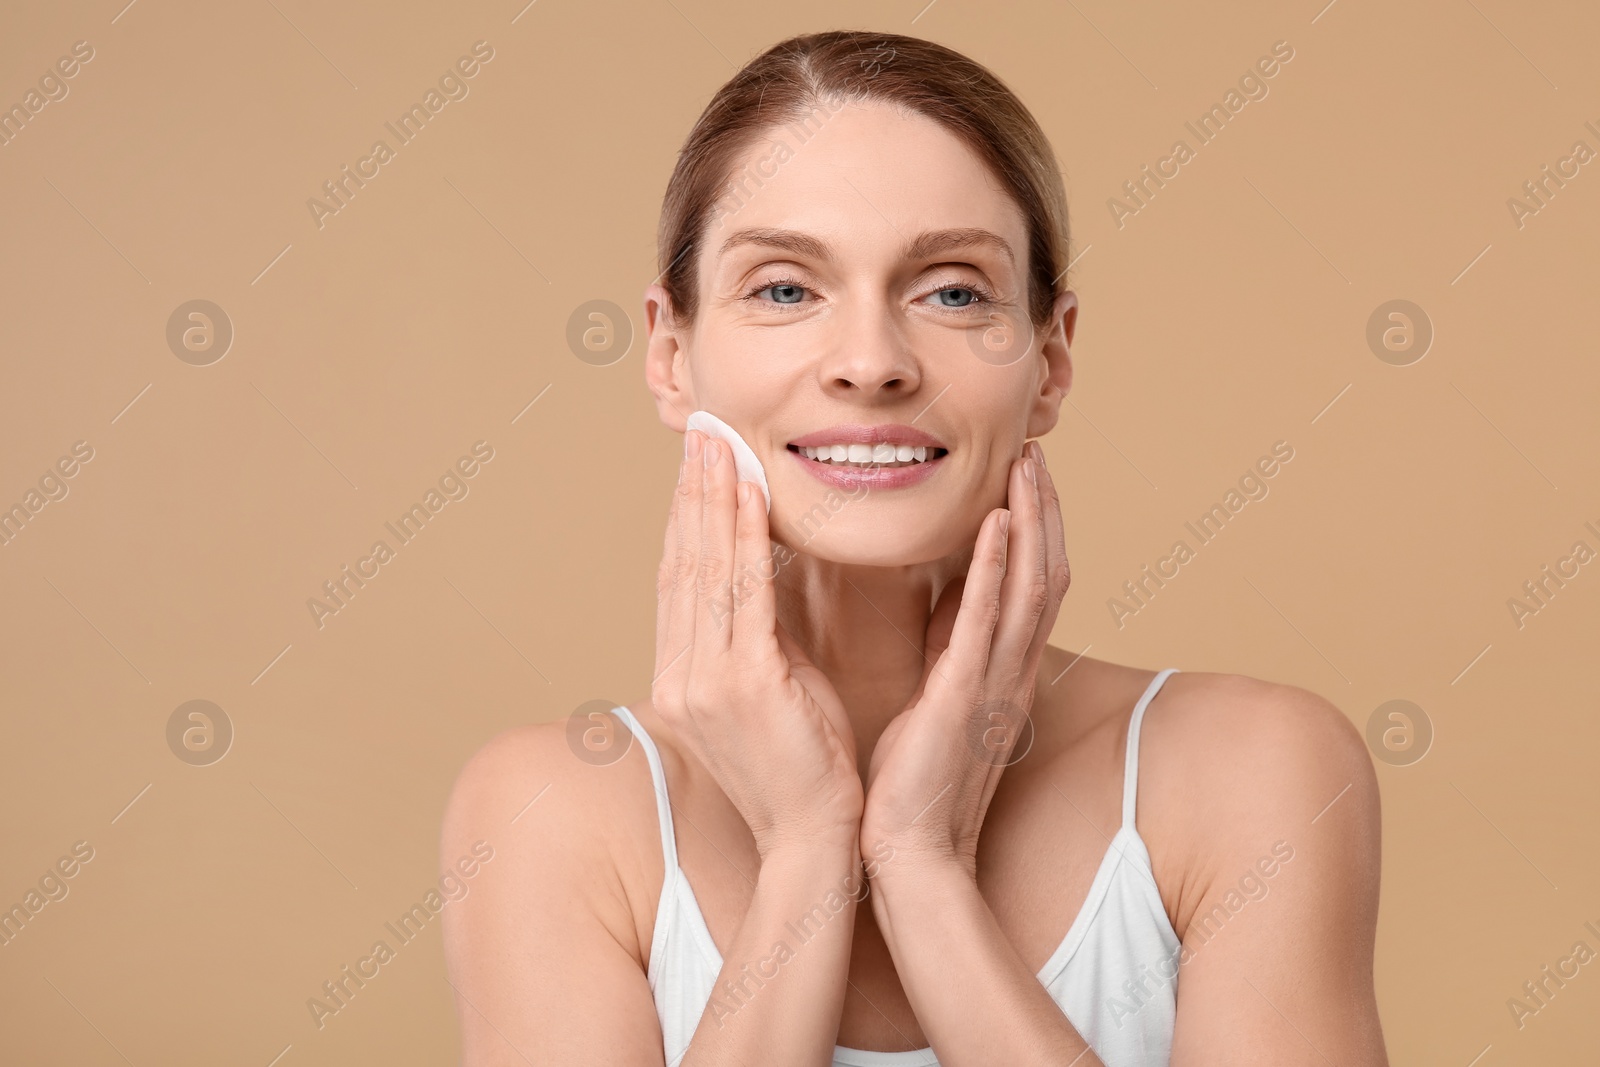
{"x": 981, "y": 296}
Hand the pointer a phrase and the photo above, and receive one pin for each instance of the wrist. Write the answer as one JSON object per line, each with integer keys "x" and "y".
{"x": 915, "y": 891}
{"x": 833, "y": 874}
{"x": 899, "y": 864}
{"x": 814, "y": 852}
{"x": 914, "y": 878}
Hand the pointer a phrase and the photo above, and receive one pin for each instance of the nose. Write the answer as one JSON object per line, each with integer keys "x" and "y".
{"x": 869, "y": 358}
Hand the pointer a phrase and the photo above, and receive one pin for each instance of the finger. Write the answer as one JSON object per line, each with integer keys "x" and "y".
{"x": 713, "y": 627}
{"x": 1026, "y": 591}
{"x": 943, "y": 620}
{"x": 965, "y": 662}
{"x": 936, "y": 638}
{"x": 673, "y": 673}
{"x": 790, "y": 647}
{"x": 1050, "y": 500}
{"x": 1058, "y": 569}
{"x": 666, "y": 572}
{"x": 755, "y": 605}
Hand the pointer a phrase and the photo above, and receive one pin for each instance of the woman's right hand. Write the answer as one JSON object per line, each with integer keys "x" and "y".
{"x": 731, "y": 681}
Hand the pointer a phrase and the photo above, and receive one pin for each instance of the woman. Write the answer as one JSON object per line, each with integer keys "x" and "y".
{"x": 861, "y": 252}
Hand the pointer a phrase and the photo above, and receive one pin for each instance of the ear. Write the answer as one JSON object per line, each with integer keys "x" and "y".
{"x": 665, "y": 361}
{"x": 1056, "y": 378}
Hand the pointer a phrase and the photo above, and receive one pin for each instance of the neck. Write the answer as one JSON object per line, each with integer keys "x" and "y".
{"x": 864, "y": 628}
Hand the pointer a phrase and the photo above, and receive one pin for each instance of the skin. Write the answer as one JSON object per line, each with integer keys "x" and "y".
{"x": 818, "y": 715}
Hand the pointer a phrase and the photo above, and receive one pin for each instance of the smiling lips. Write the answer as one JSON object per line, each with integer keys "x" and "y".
{"x": 877, "y": 457}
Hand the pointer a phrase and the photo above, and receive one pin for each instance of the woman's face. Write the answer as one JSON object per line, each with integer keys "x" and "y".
{"x": 864, "y": 282}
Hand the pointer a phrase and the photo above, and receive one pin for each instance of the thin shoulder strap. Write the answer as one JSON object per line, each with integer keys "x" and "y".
{"x": 669, "y": 842}
{"x": 1130, "y": 772}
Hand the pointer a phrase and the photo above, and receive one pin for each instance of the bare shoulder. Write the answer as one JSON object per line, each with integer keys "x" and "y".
{"x": 1232, "y": 767}
{"x": 543, "y": 950}
{"x": 1282, "y": 735}
{"x": 515, "y": 771}
{"x": 559, "y": 822}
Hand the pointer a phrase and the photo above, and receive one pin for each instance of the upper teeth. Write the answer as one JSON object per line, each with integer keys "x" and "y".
{"x": 883, "y": 452}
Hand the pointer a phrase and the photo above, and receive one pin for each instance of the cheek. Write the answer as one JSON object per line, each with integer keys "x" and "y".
{"x": 755, "y": 386}
{"x": 989, "y": 484}
{"x": 745, "y": 370}
{"x": 991, "y": 406}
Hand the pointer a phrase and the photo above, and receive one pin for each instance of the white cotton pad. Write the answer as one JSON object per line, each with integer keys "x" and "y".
{"x": 744, "y": 459}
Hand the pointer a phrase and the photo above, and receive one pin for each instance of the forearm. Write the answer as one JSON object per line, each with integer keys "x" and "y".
{"x": 778, "y": 998}
{"x": 973, "y": 995}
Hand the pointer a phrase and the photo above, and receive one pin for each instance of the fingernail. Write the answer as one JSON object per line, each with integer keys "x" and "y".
{"x": 691, "y": 444}
{"x": 713, "y": 450}
{"x": 1005, "y": 522}
{"x": 1038, "y": 454}
{"x": 1028, "y": 469}
{"x": 744, "y": 493}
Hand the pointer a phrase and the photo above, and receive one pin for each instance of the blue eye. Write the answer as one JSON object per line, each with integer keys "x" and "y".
{"x": 970, "y": 297}
{"x": 784, "y": 293}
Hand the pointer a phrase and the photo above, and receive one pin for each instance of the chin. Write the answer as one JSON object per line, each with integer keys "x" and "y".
{"x": 889, "y": 539}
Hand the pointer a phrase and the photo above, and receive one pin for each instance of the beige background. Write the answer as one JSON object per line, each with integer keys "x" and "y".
{"x": 371, "y": 353}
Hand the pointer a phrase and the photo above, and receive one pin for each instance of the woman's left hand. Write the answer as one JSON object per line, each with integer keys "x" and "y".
{"x": 935, "y": 769}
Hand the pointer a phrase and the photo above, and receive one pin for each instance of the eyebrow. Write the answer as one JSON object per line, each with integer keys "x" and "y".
{"x": 924, "y": 246}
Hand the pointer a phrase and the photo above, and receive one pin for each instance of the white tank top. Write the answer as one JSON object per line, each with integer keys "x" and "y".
{"x": 1114, "y": 975}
